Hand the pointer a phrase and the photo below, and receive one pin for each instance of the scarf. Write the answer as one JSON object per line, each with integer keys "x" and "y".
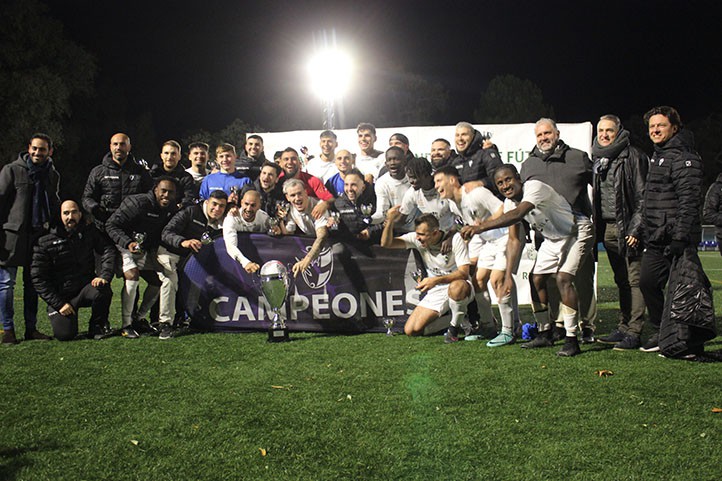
{"x": 604, "y": 155}
{"x": 39, "y": 175}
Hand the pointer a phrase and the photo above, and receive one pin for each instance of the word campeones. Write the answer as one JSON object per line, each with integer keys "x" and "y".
{"x": 319, "y": 306}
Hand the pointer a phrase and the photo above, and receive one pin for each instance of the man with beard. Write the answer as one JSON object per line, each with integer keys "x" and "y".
{"x": 170, "y": 156}
{"x": 268, "y": 187}
{"x": 249, "y": 165}
{"x": 323, "y": 166}
{"x": 185, "y": 234}
{"x": 671, "y": 213}
{"x": 422, "y": 197}
{"x": 63, "y": 272}
{"x": 478, "y": 156}
{"x": 353, "y": 223}
{"x": 619, "y": 181}
{"x": 565, "y": 244}
{"x": 117, "y": 177}
{"x": 198, "y": 157}
{"x": 314, "y": 187}
{"x": 569, "y": 172}
{"x": 368, "y": 159}
{"x": 447, "y": 285}
{"x": 28, "y": 203}
{"x": 391, "y": 188}
{"x": 442, "y": 154}
{"x": 344, "y": 163}
{"x": 247, "y": 218}
{"x": 301, "y": 221}
{"x": 136, "y": 228}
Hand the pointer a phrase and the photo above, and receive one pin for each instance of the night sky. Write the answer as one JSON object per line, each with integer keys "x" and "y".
{"x": 203, "y": 64}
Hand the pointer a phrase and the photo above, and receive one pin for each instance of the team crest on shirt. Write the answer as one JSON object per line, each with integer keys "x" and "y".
{"x": 320, "y": 271}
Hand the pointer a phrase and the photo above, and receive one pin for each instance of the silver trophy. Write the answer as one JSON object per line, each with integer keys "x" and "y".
{"x": 366, "y": 210}
{"x": 335, "y": 219}
{"x": 275, "y": 284}
{"x": 139, "y": 238}
{"x": 206, "y": 238}
{"x": 272, "y": 226}
{"x": 417, "y": 275}
{"x": 388, "y": 324}
{"x": 459, "y": 221}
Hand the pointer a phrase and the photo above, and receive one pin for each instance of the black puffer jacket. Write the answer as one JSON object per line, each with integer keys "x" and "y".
{"x": 185, "y": 182}
{"x": 248, "y": 166}
{"x": 64, "y": 263}
{"x": 16, "y": 204}
{"x": 673, "y": 193}
{"x": 139, "y": 213}
{"x": 189, "y": 223}
{"x": 478, "y": 163}
{"x": 351, "y": 218}
{"x": 629, "y": 172}
{"x": 268, "y": 199}
{"x": 566, "y": 170}
{"x": 712, "y": 212}
{"x": 109, "y": 183}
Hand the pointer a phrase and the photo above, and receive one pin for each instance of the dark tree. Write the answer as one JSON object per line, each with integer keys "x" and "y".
{"x": 509, "y": 99}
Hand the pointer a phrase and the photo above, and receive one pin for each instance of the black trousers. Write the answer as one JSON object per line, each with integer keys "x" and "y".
{"x": 65, "y": 328}
{"x": 653, "y": 279}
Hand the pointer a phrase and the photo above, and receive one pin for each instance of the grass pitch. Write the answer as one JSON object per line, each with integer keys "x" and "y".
{"x": 231, "y": 406}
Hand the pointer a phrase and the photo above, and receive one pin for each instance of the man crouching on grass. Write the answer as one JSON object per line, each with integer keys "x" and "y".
{"x": 447, "y": 286}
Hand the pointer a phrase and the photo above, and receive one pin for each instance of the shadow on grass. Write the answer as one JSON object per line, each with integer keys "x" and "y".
{"x": 14, "y": 459}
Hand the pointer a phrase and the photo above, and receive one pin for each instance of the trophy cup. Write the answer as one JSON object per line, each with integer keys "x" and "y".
{"x": 272, "y": 226}
{"x": 206, "y": 238}
{"x": 388, "y": 324}
{"x": 275, "y": 283}
{"x": 139, "y": 238}
{"x": 335, "y": 219}
{"x": 366, "y": 210}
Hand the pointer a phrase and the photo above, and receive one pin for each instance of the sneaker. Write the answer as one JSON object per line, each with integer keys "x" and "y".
{"x": 570, "y": 348}
{"x": 142, "y": 326}
{"x": 166, "y": 331}
{"x": 630, "y": 341}
{"x": 652, "y": 344}
{"x": 501, "y": 340}
{"x": 36, "y": 335}
{"x": 101, "y": 332}
{"x": 558, "y": 333}
{"x": 467, "y": 327}
{"x": 544, "y": 339}
{"x": 9, "y": 337}
{"x": 451, "y": 335}
{"x": 479, "y": 332}
{"x": 129, "y": 332}
{"x": 474, "y": 333}
{"x": 588, "y": 336}
{"x": 614, "y": 337}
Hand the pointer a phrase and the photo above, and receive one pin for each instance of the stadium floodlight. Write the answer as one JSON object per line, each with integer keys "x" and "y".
{"x": 330, "y": 73}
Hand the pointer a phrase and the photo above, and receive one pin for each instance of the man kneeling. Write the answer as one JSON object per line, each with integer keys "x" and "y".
{"x": 63, "y": 273}
{"x": 447, "y": 286}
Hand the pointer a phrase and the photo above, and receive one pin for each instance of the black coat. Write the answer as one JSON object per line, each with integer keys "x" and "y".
{"x": 63, "y": 263}
{"x": 673, "y": 194}
{"x": 139, "y": 213}
{"x": 187, "y": 190}
{"x": 478, "y": 163}
{"x": 109, "y": 183}
{"x": 249, "y": 167}
{"x": 712, "y": 212}
{"x": 16, "y": 203}
{"x": 268, "y": 199}
{"x": 351, "y": 219}
{"x": 189, "y": 223}
{"x": 629, "y": 177}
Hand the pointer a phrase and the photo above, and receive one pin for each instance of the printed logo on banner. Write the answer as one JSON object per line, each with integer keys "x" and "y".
{"x": 320, "y": 271}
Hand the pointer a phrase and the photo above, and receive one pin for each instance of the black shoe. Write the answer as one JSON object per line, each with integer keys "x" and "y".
{"x": 588, "y": 335}
{"x": 570, "y": 348}
{"x": 451, "y": 335}
{"x": 652, "y": 344}
{"x": 100, "y": 332}
{"x": 544, "y": 339}
{"x": 166, "y": 331}
{"x": 129, "y": 333}
{"x": 558, "y": 333}
{"x": 36, "y": 335}
{"x": 142, "y": 326}
{"x": 613, "y": 338}
{"x": 630, "y": 341}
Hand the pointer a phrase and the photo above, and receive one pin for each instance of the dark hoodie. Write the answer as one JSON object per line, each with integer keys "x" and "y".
{"x": 478, "y": 163}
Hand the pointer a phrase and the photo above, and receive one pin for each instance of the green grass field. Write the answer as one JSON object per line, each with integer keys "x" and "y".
{"x": 230, "y": 407}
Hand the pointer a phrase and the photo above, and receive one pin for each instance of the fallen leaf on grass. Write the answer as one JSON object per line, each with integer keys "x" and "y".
{"x": 604, "y": 373}
{"x": 134, "y": 442}
{"x": 717, "y": 410}
{"x": 282, "y": 387}
{"x": 263, "y": 451}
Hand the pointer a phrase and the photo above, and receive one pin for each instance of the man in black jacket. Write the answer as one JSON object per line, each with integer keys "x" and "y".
{"x": 249, "y": 164}
{"x": 63, "y": 273}
{"x": 267, "y": 185}
{"x": 478, "y": 156}
{"x": 712, "y": 211}
{"x": 620, "y": 174}
{"x": 186, "y": 233}
{"x": 117, "y": 177}
{"x": 442, "y": 154}
{"x": 28, "y": 204}
{"x": 170, "y": 156}
{"x": 671, "y": 209}
{"x": 354, "y": 208}
{"x": 136, "y": 228}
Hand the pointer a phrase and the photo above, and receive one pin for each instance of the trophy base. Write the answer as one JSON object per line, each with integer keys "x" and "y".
{"x": 278, "y": 334}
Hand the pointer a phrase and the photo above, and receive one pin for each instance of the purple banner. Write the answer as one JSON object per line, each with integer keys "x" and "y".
{"x": 348, "y": 288}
